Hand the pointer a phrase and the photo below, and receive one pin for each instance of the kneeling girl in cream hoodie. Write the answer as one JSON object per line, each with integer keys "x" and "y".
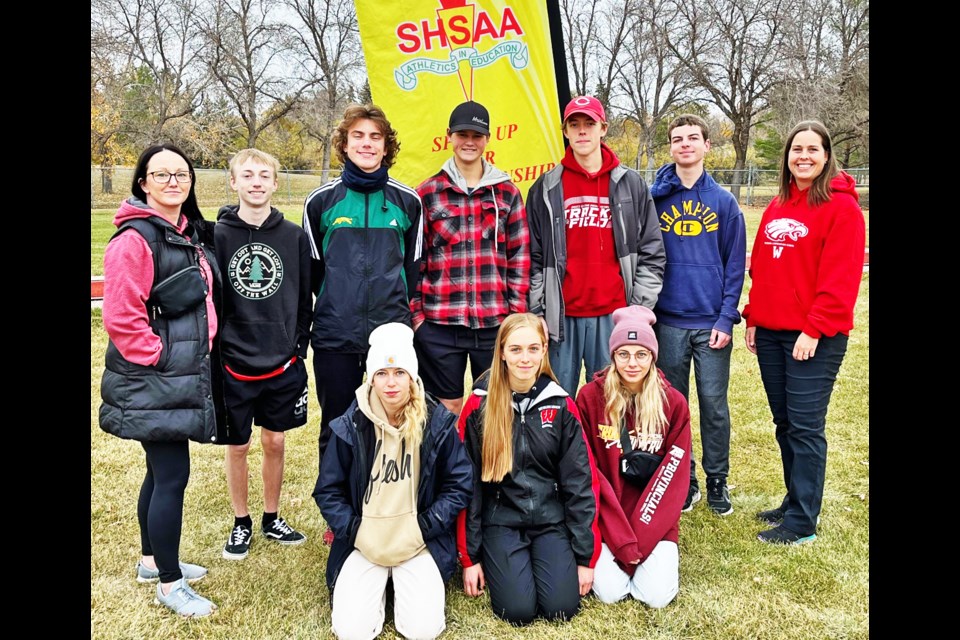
{"x": 391, "y": 484}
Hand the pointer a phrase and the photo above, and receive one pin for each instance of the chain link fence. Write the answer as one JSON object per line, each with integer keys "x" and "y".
{"x": 110, "y": 185}
{"x": 759, "y": 186}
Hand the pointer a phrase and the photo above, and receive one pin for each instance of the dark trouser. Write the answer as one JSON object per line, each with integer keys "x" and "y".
{"x": 160, "y": 507}
{"x": 337, "y": 376}
{"x": 711, "y": 372}
{"x": 531, "y": 572}
{"x": 443, "y": 351}
{"x": 799, "y": 393}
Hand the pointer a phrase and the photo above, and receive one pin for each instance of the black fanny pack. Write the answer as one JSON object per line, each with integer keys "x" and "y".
{"x": 637, "y": 467}
{"x": 178, "y": 294}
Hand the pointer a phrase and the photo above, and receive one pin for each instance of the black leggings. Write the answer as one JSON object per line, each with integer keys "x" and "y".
{"x": 160, "y": 507}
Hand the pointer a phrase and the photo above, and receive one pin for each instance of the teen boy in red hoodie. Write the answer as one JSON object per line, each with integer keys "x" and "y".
{"x": 595, "y": 244}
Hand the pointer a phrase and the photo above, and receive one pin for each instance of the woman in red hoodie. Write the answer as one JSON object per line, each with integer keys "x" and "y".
{"x": 806, "y": 267}
{"x": 630, "y": 407}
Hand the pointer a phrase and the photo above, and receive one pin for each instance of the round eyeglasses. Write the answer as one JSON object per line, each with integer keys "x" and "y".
{"x": 641, "y": 357}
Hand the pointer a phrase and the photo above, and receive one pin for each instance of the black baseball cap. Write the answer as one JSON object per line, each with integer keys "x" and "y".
{"x": 470, "y": 116}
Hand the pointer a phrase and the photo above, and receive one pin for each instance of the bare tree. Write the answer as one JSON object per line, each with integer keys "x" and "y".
{"x": 163, "y": 46}
{"x": 652, "y": 80}
{"x": 580, "y": 33}
{"x": 248, "y": 56}
{"x": 734, "y": 50}
{"x": 327, "y": 36}
{"x": 144, "y": 73}
{"x": 827, "y": 75}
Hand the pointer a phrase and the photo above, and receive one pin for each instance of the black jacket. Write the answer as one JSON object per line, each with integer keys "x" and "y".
{"x": 554, "y": 478}
{"x": 266, "y": 304}
{"x": 171, "y": 400}
{"x": 366, "y": 250}
{"x": 443, "y": 490}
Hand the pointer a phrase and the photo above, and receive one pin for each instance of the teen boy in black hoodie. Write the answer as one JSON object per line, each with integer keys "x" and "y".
{"x": 265, "y": 318}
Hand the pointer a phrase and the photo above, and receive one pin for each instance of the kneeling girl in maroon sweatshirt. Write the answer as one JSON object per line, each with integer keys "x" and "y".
{"x": 638, "y": 428}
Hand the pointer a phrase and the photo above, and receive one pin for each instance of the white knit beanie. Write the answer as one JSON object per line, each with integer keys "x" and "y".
{"x": 391, "y": 345}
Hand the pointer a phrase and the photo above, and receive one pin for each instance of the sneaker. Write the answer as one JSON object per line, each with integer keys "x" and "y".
{"x": 184, "y": 601}
{"x": 693, "y": 497}
{"x": 283, "y": 533}
{"x": 191, "y": 572}
{"x": 782, "y": 535}
{"x": 772, "y": 517}
{"x": 718, "y": 496}
{"x": 238, "y": 544}
{"x": 328, "y": 537}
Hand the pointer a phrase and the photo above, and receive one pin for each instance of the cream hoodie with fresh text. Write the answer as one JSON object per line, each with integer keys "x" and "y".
{"x": 389, "y": 533}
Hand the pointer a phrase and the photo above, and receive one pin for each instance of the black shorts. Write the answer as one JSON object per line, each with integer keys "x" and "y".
{"x": 275, "y": 404}
{"x": 442, "y": 352}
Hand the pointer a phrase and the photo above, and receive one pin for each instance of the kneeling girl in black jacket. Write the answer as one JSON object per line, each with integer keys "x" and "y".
{"x": 391, "y": 484}
{"x": 531, "y": 528}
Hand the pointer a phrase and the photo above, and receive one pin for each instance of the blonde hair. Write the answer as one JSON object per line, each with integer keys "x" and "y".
{"x": 497, "y": 412}
{"x": 646, "y": 406}
{"x": 413, "y": 416}
{"x": 254, "y": 154}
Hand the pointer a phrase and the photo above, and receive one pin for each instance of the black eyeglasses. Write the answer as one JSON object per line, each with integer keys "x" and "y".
{"x": 163, "y": 177}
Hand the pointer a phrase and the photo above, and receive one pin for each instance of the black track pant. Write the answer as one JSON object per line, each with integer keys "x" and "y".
{"x": 530, "y": 572}
{"x": 337, "y": 376}
{"x": 160, "y": 508}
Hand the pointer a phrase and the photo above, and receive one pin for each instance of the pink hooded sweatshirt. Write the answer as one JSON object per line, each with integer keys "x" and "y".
{"x": 127, "y": 281}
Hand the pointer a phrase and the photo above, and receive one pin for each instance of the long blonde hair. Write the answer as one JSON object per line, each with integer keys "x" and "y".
{"x": 497, "y": 450}
{"x": 647, "y": 405}
{"x": 413, "y": 416}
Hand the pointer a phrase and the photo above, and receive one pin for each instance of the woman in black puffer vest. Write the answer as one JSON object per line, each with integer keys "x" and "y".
{"x": 156, "y": 385}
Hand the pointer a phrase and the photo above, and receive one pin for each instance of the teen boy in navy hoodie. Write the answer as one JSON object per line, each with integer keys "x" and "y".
{"x": 705, "y": 240}
{"x": 265, "y": 318}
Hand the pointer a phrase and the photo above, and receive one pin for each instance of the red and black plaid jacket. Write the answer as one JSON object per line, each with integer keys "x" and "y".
{"x": 476, "y": 260}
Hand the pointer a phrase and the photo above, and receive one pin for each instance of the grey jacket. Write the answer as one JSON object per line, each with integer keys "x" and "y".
{"x": 636, "y": 233}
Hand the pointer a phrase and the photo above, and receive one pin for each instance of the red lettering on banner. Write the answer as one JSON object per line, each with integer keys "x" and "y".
{"x": 521, "y": 174}
{"x": 407, "y": 32}
{"x": 459, "y": 31}
{"x": 488, "y": 156}
{"x": 437, "y": 33}
{"x": 506, "y": 132}
{"x": 510, "y": 23}
{"x": 484, "y": 27}
{"x": 427, "y": 35}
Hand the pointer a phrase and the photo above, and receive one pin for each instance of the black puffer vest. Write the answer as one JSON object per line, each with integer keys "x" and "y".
{"x": 171, "y": 400}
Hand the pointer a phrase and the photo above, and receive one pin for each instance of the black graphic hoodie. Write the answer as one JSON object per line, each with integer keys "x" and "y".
{"x": 267, "y": 305}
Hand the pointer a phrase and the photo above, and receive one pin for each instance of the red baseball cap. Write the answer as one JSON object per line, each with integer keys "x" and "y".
{"x": 588, "y": 106}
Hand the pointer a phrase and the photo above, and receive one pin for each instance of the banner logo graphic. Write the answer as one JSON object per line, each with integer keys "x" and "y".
{"x": 458, "y": 26}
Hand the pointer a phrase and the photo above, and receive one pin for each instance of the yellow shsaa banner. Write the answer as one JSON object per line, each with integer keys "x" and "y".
{"x": 424, "y": 57}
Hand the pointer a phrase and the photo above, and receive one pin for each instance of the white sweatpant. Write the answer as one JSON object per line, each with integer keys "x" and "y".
{"x": 359, "y": 598}
{"x": 655, "y": 582}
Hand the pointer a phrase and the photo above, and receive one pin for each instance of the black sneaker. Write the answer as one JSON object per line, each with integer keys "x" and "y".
{"x": 772, "y": 517}
{"x": 238, "y": 544}
{"x": 718, "y": 496}
{"x": 281, "y": 532}
{"x": 693, "y": 497}
{"x": 782, "y": 535}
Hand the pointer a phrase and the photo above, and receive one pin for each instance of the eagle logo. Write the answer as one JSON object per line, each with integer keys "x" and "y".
{"x": 782, "y": 228}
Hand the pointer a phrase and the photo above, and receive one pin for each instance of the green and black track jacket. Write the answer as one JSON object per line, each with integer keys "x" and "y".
{"x": 366, "y": 250}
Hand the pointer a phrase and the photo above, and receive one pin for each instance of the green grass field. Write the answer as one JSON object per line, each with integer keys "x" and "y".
{"x": 731, "y": 586}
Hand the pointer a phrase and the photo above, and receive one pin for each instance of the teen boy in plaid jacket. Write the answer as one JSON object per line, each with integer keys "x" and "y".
{"x": 476, "y": 264}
